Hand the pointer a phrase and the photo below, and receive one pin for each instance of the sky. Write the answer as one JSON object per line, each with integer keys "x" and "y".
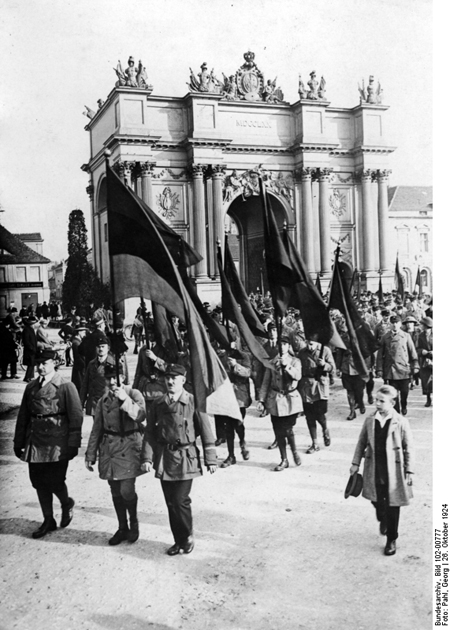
{"x": 59, "y": 56}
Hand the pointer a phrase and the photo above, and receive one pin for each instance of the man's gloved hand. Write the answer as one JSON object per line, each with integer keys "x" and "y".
{"x": 18, "y": 452}
{"x": 72, "y": 451}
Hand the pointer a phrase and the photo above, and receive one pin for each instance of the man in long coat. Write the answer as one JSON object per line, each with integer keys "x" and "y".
{"x": 94, "y": 382}
{"x": 170, "y": 444}
{"x": 29, "y": 347}
{"x": 397, "y": 360}
{"x": 47, "y": 436}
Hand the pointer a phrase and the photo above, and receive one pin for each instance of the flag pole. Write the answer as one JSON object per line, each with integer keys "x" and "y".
{"x": 144, "y": 316}
{"x": 220, "y": 260}
{"x": 107, "y": 154}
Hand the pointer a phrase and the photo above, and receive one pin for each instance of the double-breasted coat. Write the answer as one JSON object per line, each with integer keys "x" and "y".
{"x": 94, "y": 383}
{"x": 397, "y": 356}
{"x": 49, "y": 421}
{"x": 116, "y": 435}
{"x": 170, "y": 439}
{"x": 312, "y": 386}
{"x": 279, "y": 390}
{"x": 399, "y": 455}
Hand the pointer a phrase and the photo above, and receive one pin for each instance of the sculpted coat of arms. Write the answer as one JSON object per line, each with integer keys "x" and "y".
{"x": 338, "y": 203}
{"x": 168, "y": 203}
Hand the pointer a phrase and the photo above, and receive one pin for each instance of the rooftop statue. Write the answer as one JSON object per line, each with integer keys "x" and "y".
{"x": 316, "y": 91}
{"x": 301, "y": 87}
{"x": 370, "y": 95}
{"x": 272, "y": 94}
{"x": 230, "y": 88}
{"x": 206, "y": 81}
{"x": 132, "y": 76}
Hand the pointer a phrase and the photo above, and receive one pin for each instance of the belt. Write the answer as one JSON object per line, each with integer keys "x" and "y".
{"x": 283, "y": 391}
{"x": 39, "y": 416}
{"x": 106, "y": 432}
{"x": 176, "y": 447}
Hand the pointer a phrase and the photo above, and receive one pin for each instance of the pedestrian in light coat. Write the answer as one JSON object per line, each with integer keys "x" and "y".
{"x": 170, "y": 445}
{"x": 280, "y": 397}
{"x": 425, "y": 353}
{"x": 116, "y": 438}
{"x": 385, "y": 443}
{"x": 47, "y": 436}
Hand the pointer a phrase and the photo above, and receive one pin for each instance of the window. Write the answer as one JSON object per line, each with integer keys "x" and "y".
{"x": 424, "y": 277}
{"x": 424, "y": 242}
{"x": 21, "y": 274}
{"x": 35, "y": 274}
{"x": 2, "y": 274}
{"x": 105, "y": 227}
{"x": 403, "y": 240}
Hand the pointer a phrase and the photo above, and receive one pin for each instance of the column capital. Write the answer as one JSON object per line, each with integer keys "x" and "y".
{"x": 366, "y": 175}
{"x": 324, "y": 174}
{"x": 123, "y": 167}
{"x": 197, "y": 171}
{"x": 147, "y": 168}
{"x": 217, "y": 170}
{"x": 383, "y": 175}
{"x": 305, "y": 173}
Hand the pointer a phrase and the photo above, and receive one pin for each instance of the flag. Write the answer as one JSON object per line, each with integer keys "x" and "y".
{"x": 281, "y": 275}
{"x": 141, "y": 261}
{"x": 380, "y": 291}
{"x": 318, "y": 285}
{"x": 164, "y": 332}
{"x": 361, "y": 339}
{"x": 307, "y": 299}
{"x": 419, "y": 281}
{"x": 399, "y": 281}
{"x": 239, "y": 293}
{"x": 231, "y": 311}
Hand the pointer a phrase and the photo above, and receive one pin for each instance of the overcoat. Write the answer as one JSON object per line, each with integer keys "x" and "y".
{"x": 116, "y": 435}
{"x": 425, "y": 342}
{"x": 7, "y": 346}
{"x": 149, "y": 376}
{"x": 312, "y": 388}
{"x": 397, "y": 355}
{"x": 170, "y": 439}
{"x": 49, "y": 420}
{"x": 79, "y": 366}
{"x": 29, "y": 345}
{"x": 279, "y": 390}
{"x": 399, "y": 454}
{"x": 94, "y": 383}
{"x": 239, "y": 376}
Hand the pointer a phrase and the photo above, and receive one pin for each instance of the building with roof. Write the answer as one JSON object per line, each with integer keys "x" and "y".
{"x": 34, "y": 241}
{"x": 196, "y": 160}
{"x": 410, "y": 220}
{"x": 23, "y": 271}
{"x": 56, "y": 274}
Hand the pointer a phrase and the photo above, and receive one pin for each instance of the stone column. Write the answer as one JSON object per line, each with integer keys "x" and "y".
{"x": 198, "y": 171}
{"x": 307, "y": 223}
{"x": 218, "y": 171}
{"x": 146, "y": 182}
{"x": 383, "y": 223}
{"x": 324, "y": 220}
{"x": 368, "y": 237}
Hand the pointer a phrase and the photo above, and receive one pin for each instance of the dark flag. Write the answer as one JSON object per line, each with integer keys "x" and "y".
{"x": 231, "y": 311}
{"x": 238, "y": 291}
{"x": 164, "y": 332}
{"x": 399, "y": 281}
{"x": 318, "y": 285}
{"x": 141, "y": 264}
{"x": 380, "y": 291}
{"x": 419, "y": 281}
{"x": 307, "y": 299}
{"x": 281, "y": 275}
{"x": 361, "y": 339}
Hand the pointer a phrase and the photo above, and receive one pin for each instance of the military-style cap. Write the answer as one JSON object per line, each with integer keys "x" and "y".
{"x": 102, "y": 339}
{"x": 394, "y": 319}
{"x": 410, "y": 320}
{"x": 285, "y": 339}
{"x": 44, "y": 355}
{"x": 31, "y": 320}
{"x": 111, "y": 370}
{"x": 174, "y": 369}
{"x": 271, "y": 326}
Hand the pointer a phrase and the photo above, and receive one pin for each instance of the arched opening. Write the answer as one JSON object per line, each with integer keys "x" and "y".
{"x": 245, "y": 229}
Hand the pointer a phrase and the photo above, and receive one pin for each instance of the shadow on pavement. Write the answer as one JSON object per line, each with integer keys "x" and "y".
{"x": 118, "y": 622}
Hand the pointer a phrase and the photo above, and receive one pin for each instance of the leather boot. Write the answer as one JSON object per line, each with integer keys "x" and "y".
{"x": 131, "y": 507}
{"x": 282, "y": 465}
{"x": 351, "y": 402}
{"x": 123, "y": 531}
{"x": 295, "y": 455}
{"x": 49, "y": 525}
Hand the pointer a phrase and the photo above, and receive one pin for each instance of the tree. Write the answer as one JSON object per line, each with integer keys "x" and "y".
{"x": 81, "y": 284}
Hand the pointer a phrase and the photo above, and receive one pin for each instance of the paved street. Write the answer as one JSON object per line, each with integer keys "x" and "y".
{"x": 273, "y": 550}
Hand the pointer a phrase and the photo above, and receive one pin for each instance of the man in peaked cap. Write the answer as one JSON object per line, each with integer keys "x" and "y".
{"x": 397, "y": 361}
{"x": 47, "y": 436}
{"x": 170, "y": 445}
{"x": 94, "y": 383}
